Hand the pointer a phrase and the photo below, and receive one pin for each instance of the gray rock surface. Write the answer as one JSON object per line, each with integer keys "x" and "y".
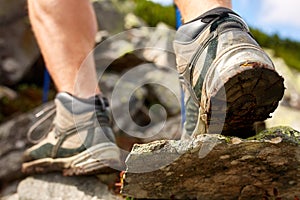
{"x": 55, "y": 186}
{"x": 215, "y": 167}
{"x": 11, "y": 197}
{"x": 132, "y": 21}
{"x": 140, "y": 45}
{"x": 108, "y": 16}
{"x": 13, "y": 142}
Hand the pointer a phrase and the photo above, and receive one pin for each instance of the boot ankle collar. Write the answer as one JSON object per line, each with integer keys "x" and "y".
{"x": 212, "y": 14}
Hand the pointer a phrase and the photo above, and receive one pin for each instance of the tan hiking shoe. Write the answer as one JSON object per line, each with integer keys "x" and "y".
{"x": 81, "y": 141}
{"x": 229, "y": 81}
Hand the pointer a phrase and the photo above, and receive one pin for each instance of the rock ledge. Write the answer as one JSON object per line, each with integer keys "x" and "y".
{"x": 217, "y": 167}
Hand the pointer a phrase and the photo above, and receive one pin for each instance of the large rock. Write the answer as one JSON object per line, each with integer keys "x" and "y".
{"x": 13, "y": 142}
{"x": 11, "y": 197}
{"x": 108, "y": 17}
{"x": 55, "y": 186}
{"x": 140, "y": 45}
{"x": 111, "y": 14}
{"x": 215, "y": 167}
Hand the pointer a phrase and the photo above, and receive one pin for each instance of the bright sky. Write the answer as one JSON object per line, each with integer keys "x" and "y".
{"x": 271, "y": 16}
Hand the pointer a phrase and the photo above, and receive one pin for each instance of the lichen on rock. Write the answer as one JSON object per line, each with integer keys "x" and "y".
{"x": 284, "y": 132}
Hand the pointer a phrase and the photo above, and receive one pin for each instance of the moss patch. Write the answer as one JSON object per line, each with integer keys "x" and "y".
{"x": 284, "y": 132}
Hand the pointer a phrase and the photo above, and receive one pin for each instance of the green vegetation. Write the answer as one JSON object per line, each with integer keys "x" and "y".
{"x": 153, "y": 13}
{"x": 287, "y": 49}
{"x": 29, "y": 97}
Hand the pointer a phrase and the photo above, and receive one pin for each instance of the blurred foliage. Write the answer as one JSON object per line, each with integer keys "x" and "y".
{"x": 152, "y": 13}
{"x": 29, "y": 97}
{"x": 284, "y": 48}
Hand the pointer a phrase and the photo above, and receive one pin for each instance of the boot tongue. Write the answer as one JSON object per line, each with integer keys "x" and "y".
{"x": 71, "y": 110}
{"x": 189, "y": 31}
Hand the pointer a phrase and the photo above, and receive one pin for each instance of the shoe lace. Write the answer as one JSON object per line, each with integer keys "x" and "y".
{"x": 40, "y": 118}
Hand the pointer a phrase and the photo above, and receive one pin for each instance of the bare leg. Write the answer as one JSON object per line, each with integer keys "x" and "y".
{"x": 65, "y": 31}
{"x": 191, "y": 9}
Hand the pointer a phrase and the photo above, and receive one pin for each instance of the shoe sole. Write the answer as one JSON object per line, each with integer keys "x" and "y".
{"x": 99, "y": 159}
{"x": 247, "y": 97}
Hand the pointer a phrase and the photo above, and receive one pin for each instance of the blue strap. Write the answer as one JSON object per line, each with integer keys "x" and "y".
{"x": 46, "y": 86}
{"x": 178, "y": 18}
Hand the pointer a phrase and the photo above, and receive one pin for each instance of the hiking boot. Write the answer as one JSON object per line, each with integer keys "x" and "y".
{"x": 80, "y": 142}
{"x": 229, "y": 81}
